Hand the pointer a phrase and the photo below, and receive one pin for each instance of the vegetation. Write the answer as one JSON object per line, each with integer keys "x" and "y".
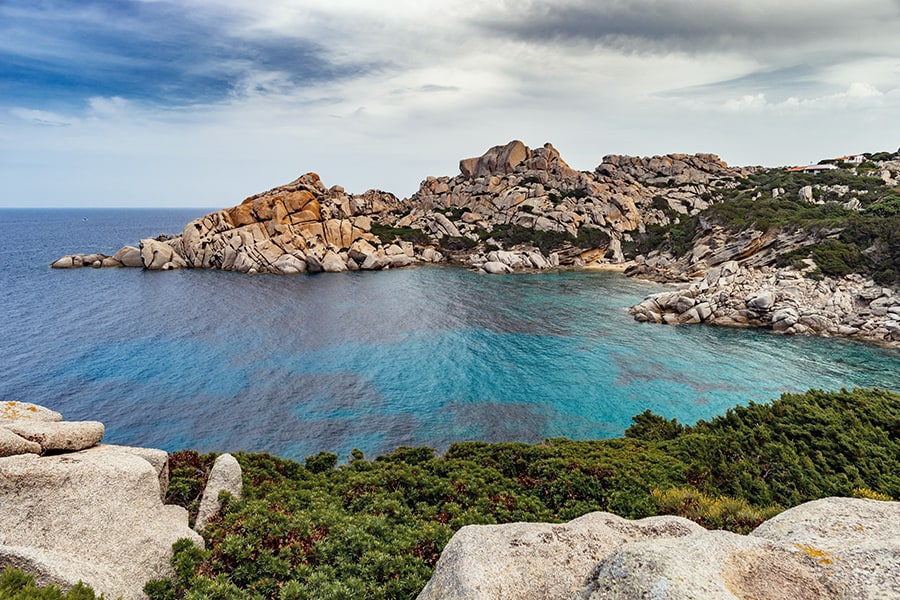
{"x": 375, "y": 528}
{"x": 17, "y": 585}
{"x": 388, "y": 235}
{"x": 547, "y": 241}
{"x": 866, "y": 241}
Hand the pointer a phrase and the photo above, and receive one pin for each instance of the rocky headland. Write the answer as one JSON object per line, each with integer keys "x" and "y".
{"x": 681, "y": 219}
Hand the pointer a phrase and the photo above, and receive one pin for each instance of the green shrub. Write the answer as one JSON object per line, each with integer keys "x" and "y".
{"x": 389, "y": 235}
{"x": 455, "y": 243}
{"x": 18, "y": 585}
{"x": 375, "y": 529}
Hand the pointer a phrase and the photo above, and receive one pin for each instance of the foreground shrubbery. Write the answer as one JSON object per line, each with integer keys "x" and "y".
{"x": 375, "y": 529}
{"x": 16, "y": 585}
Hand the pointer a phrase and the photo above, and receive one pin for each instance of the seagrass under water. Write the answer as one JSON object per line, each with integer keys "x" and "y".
{"x": 298, "y": 364}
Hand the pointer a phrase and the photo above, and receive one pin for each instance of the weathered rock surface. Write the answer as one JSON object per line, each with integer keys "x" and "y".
{"x": 534, "y": 189}
{"x": 12, "y": 444}
{"x": 31, "y": 429}
{"x": 304, "y": 227}
{"x": 781, "y": 299}
{"x": 57, "y": 436}
{"x": 25, "y": 411}
{"x": 836, "y": 548}
{"x": 537, "y": 560}
{"x": 296, "y": 228}
{"x": 225, "y": 476}
{"x": 86, "y": 512}
{"x": 855, "y": 542}
{"x": 93, "y": 515}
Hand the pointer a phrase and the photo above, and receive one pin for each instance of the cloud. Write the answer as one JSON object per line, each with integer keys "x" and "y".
{"x": 162, "y": 52}
{"x": 207, "y": 101}
{"x": 697, "y": 26}
{"x": 41, "y": 117}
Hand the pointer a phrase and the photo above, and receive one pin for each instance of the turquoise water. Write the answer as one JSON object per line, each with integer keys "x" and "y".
{"x": 427, "y": 356}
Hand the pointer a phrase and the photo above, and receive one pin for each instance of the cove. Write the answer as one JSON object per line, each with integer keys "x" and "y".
{"x": 294, "y": 365}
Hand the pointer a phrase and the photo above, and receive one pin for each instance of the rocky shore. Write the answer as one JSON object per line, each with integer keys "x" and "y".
{"x": 521, "y": 209}
{"x": 784, "y": 300}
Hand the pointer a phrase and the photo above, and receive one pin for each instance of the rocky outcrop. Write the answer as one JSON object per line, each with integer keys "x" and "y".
{"x": 534, "y": 189}
{"x": 304, "y": 227}
{"x": 537, "y": 560}
{"x": 831, "y": 548}
{"x": 73, "y": 510}
{"x": 296, "y": 228}
{"x": 225, "y": 476}
{"x": 783, "y": 300}
{"x": 32, "y": 429}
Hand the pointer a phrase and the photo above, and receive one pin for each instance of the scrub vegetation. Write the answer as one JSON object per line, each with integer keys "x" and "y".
{"x": 866, "y": 241}
{"x": 363, "y": 528}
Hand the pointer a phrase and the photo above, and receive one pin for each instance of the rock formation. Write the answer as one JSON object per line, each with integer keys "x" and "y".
{"x": 74, "y": 510}
{"x": 536, "y": 190}
{"x": 304, "y": 227}
{"x": 225, "y": 476}
{"x": 537, "y": 560}
{"x": 295, "y": 228}
{"x": 516, "y": 208}
{"x": 784, "y": 300}
{"x": 831, "y": 548}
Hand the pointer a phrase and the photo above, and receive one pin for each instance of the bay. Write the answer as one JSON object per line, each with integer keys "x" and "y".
{"x": 294, "y": 365}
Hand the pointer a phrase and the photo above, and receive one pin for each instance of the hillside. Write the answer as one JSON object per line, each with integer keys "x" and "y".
{"x": 376, "y": 528}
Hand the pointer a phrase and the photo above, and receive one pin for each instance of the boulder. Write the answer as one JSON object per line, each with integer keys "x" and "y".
{"x": 762, "y": 301}
{"x": 55, "y": 436}
{"x": 855, "y": 541}
{"x": 499, "y": 160}
{"x": 806, "y": 194}
{"x": 225, "y": 476}
{"x": 67, "y": 262}
{"x": 129, "y": 256}
{"x": 495, "y": 268}
{"x": 19, "y": 411}
{"x": 332, "y": 263}
{"x": 537, "y": 560}
{"x": 12, "y": 444}
{"x": 289, "y": 264}
{"x": 93, "y": 515}
{"x": 711, "y": 564}
{"x": 156, "y": 255}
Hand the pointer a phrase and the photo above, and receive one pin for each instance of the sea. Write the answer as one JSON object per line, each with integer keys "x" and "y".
{"x": 425, "y": 356}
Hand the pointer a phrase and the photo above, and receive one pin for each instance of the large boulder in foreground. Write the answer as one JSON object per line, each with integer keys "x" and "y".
{"x": 537, "y": 560}
{"x": 95, "y": 515}
{"x": 837, "y": 548}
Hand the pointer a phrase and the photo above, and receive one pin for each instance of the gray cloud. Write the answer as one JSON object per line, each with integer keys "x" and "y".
{"x": 775, "y": 83}
{"x": 692, "y": 26}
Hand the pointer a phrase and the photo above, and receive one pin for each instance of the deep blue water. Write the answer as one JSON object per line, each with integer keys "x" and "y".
{"x": 427, "y": 356}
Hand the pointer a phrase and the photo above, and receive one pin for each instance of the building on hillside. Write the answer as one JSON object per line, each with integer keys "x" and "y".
{"x": 850, "y": 158}
{"x": 811, "y": 169}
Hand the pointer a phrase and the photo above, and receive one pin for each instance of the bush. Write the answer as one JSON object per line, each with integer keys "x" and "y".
{"x": 375, "y": 529}
{"x": 18, "y": 585}
{"x": 389, "y": 235}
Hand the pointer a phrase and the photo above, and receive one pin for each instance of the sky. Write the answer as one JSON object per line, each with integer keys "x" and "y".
{"x": 201, "y": 103}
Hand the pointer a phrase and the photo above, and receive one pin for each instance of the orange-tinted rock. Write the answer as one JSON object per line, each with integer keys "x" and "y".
{"x": 242, "y": 214}
{"x": 264, "y": 208}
